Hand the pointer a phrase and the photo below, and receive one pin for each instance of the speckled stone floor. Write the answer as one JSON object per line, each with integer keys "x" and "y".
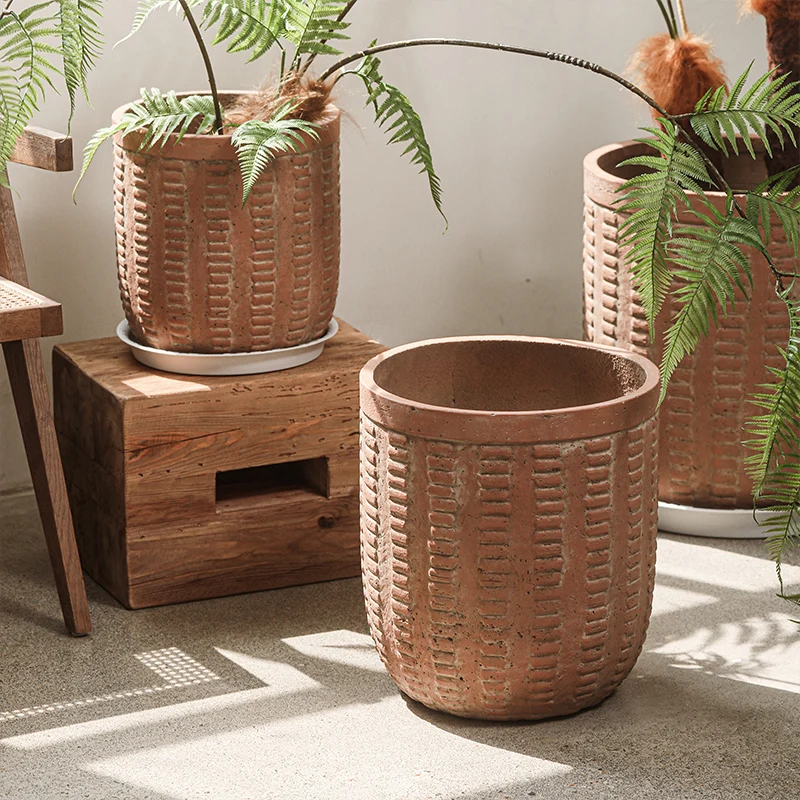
{"x": 280, "y": 695}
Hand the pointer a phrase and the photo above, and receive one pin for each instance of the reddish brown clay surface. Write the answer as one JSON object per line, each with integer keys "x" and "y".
{"x": 508, "y": 521}
{"x": 200, "y": 273}
{"x": 701, "y": 420}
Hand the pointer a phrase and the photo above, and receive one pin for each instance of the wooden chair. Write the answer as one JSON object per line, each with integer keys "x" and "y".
{"x": 25, "y": 317}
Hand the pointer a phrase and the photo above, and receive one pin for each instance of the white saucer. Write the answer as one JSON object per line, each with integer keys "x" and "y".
{"x": 717, "y": 523}
{"x": 220, "y": 364}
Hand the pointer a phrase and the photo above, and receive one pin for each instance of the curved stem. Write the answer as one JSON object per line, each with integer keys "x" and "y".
{"x": 212, "y": 82}
{"x": 715, "y": 174}
{"x": 504, "y": 48}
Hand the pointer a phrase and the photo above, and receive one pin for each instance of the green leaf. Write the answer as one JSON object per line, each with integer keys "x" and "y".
{"x": 777, "y": 197}
{"x": 770, "y": 104}
{"x": 252, "y": 26}
{"x": 258, "y": 143}
{"x": 312, "y": 24}
{"x": 650, "y": 201}
{"x": 26, "y": 71}
{"x": 158, "y": 116}
{"x": 81, "y": 42}
{"x": 775, "y": 461}
{"x": 394, "y": 113}
{"x": 710, "y": 264}
{"x": 146, "y": 7}
{"x": 774, "y": 432}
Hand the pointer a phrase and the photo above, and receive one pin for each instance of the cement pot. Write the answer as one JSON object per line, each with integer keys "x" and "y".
{"x": 701, "y": 455}
{"x": 508, "y": 521}
{"x": 200, "y": 273}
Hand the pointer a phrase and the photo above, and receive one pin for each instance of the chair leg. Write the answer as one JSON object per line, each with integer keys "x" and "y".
{"x": 29, "y": 387}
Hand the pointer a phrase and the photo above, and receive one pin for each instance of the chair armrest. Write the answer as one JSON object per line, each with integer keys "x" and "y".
{"x": 44, "y": 149}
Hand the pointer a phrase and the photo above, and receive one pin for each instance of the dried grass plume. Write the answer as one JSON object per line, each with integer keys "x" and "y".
{"x": 787, "y": 9}
{"x": 310, "y": 95}
{"x": 676, "y": 73}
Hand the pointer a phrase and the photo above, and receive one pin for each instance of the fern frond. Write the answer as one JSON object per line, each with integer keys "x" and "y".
{"x": 766, "y": 106}
{"x": 81, "y": 43}
{"x": 246, "y": 25}
{"x": 651, "y": 200}
{"x": 395, "y": 114}
{"x": 26, "y": 71}
{"x": 312, "y": 24}
{"x": 775, "y": 462}
{"x": 159, "y": 116}
{"x": 709, "y": 266}
{"x": 257, "y": 143}
{"x": 775, "y": 431}
{"x": 146, "y": 7}
{"x": 779, "y": 196}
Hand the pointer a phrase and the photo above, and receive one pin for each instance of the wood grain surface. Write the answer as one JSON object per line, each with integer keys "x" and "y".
{"x": 144, "y": 450}
{"x": 27, "y": 315}
{"x": 23, "y": 356}
{"x": 38, "y": 147}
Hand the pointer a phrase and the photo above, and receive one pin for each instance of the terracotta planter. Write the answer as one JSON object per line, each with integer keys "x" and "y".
{"x": 508, "y": 521}
{"x": 701, "y": 455}
{"x": 200, "y": 273}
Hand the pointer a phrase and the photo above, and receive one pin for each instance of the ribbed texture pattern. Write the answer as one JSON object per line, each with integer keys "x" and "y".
{"x": 702, "y": 459}
{"x": 486, "y": 605}
{"x": 200, "y": 273}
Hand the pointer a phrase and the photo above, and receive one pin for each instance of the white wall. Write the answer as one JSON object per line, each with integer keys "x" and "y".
{"x": 508, "y": 136}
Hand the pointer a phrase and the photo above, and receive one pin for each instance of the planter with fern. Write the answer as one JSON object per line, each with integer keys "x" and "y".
{"x": 227, "y": 204}
{"x": 695, "y": 256}
{"x": 199, "y": 271}
{"x": 702, "y": 461}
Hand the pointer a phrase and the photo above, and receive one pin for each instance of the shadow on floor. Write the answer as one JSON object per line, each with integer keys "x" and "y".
{"x": 707, "y": 712}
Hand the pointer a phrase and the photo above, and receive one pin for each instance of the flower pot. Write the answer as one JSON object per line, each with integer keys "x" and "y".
{"x": 701, "y": 452}
{"x": 508, "y": 521}
{"x": 199, "y": 272}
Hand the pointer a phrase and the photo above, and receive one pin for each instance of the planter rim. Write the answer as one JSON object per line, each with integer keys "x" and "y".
{"x": 591, "y": 162}
{"x": 602, "y": 186}
{"x": 514, "y": 427}
{"x": 202, "y": 146}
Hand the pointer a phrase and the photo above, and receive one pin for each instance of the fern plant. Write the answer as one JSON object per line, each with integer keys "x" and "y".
{"x": 299, "y": 30}
{"x": 39, "y": 44}
{"x": 704, "y": 264}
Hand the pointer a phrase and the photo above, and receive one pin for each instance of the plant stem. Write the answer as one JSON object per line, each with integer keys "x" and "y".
{"x": 670, "y": 26}
{"x": 346, "y": 10}
{"x": 720, "y": 181}
{"x": 682, "y": 16}
{"x": 672, "y": 17}
{"x": 504, "y": 48}
{"x": 212, "y": 81}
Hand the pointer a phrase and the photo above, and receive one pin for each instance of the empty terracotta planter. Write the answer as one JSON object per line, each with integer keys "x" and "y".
{"x": 508, "y": 521}
{"x": 200, "y": 273}
{"x": 702, "y": 418}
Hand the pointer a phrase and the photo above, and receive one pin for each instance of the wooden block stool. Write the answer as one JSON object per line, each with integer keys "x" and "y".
{"x": 24, "y": 318}
{"x": 190, "y": 487}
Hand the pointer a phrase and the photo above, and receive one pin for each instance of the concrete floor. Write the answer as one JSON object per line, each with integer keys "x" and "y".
{"x": 280, "y": 695}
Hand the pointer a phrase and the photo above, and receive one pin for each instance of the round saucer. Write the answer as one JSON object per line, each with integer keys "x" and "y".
{"x": 218, "y": 364}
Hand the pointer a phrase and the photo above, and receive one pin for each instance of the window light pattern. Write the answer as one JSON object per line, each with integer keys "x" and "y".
{"x": 175, "y": 668}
